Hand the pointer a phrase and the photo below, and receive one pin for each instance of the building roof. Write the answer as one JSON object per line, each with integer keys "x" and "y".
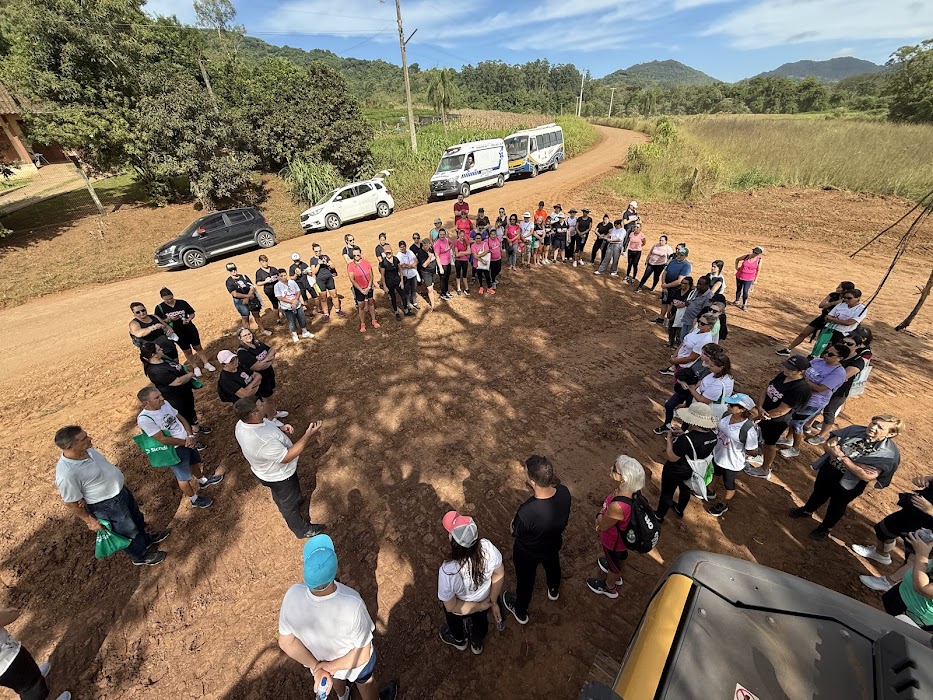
{"x": 7, "y": 103}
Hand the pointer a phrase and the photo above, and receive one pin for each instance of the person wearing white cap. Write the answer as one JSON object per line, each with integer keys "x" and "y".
{"x": 696, "y": 442}
{"x": 468, "y": 584}
{"x": 234, "y": 382}
{"x": 527, "y": 228}
{"x": 738, "y": 440}
{"x": 630, "y": 218}
{"x": 300, "y": 273}
{"x": 325, "y": 626}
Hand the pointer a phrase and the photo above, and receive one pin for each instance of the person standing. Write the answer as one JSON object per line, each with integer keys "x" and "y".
{"x": 174, "y": 382}
{"x": 602, "y": 239}
{"x": 288, "y": 293}
{"x": 580, "y": 234}
{"x": 162, "y": 423}
{"x": 273, "y": 458}
{"x": 93, "y": 489}
{"x": 494, "y": 243}
{"x": 538, "y": 529}
{"x": 255, "y": 356}
{"x": 747, "y": 268}
{"x": 825, "y": 375}
{"x": 630, "y": 218}
{"x": 527, "y": 229}
{"x": 179, "y": 315}
{"x": 234, "y": 382}
{"x": 513, "y": 240}
{"x": 300, "y": 273}
{"x": 738, "y": 438}
{"x": 855, "y": 363}
{"x": 674, "y": 273}
{"x": 392, "y": 279}
{"x": 442, "y": 249}
{"x": 697, "y": 440}
{"x": 482, "y": 221}
{"x": 786, "y": 393}
{"x": 571, "y": 222}
{"x": 267, "y": 276}
{"x": 436, "y": 231}
{"x": 658, "y": 257}
{"x": 408, "y": 262}
{"x": 636, "y": 241}
{"x": 245, "y": 298}
{"x": 360, "y": 273}
{"x": 853, "y": 457}
{"x": 324, "y": 625}
{"x": 18, "y": 670}
{"x": 349, "y": 245}
{"x": 816, "y": 325}
{"x": 692, "y": 346}
{"x": 462, "y": 262}
{"x": 613, "y": 251}
{"x": 612, "y": 521}
{"x": 480, "y": 252}
{"x": 145, "y": 327}
{"x": 461, "y": 207}
{"x": 468, "y": 584}
{"x": 322, "y": 269}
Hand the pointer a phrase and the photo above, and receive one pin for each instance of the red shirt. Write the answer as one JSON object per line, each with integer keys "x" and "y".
{"x": 461, "y": 206}
{"x": 612, "y": 539}
{"x": 495, "y": 247}
{"x": 540, "y": 214}
{"x": 361, "y": 273}
{"x": 465, "y": 226}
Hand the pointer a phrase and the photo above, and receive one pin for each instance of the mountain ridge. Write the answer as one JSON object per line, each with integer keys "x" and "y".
{"x": 830, "y": 70}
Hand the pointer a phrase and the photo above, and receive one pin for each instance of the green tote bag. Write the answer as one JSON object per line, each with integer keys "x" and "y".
{"x": 109, "y": 542}
{"x": 159, "y": 455}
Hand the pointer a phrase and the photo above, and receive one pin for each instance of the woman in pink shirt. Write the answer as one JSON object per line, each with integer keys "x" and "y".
{"x": 481, "y": 263}
{"x": 462, "y": 262}
{"x": 442, "y": 249}
{"x": 513, "y": 235}
{"x": 494, "y": 242}
{"x": 747, "y": 268}
{"x": 635, "y": 242}
{"x": 658, "y": 257}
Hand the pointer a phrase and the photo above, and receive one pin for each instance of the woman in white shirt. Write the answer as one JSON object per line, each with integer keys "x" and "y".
{"x": 841, "y": 320}
{"x": 712, "y": 388}
{"x": 739, "y": 439}
{"x": 468, "y": 583}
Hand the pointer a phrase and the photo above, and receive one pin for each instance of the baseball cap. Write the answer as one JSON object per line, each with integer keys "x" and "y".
{"x": 585, "y": 210}
{"x": 320, "y": 561}
{"x": 743, "y": 400}
{"x": 231, "y": 267}
{"x": 296, "y": 256}
{"x": 758, "y": 249}
{"x": 438, "y": 221}
{"x": 225, "y": 356}
{"x": 526, "y": 215}
{"x": 462, "y": 528}
{"x": 796, "y": 363}
{"x": 633, "y": 204}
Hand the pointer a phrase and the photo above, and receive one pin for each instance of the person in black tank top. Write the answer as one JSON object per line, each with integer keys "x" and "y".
{"x": 145, "y": 327}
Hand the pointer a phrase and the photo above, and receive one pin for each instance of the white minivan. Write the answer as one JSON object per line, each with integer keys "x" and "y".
{"x": 470, "y": 166}
{"x": 355, "y": 200}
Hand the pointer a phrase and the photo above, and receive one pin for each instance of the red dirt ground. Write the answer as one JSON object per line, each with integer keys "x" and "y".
{"x": 426, "y": 415}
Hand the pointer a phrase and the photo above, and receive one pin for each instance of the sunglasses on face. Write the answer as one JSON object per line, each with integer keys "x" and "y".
{"x": 139, "y": 312}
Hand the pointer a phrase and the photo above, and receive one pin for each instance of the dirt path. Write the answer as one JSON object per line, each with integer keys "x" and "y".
{"x": 423, "y": 416}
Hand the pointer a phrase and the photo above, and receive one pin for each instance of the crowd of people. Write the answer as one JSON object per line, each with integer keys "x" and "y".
{"x": 713, "y": 431}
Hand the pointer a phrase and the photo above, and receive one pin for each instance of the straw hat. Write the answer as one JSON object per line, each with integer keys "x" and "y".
{"x": 698, "y": 414}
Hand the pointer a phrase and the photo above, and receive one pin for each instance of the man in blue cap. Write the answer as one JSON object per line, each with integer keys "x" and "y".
{"x": 326, "y": 627}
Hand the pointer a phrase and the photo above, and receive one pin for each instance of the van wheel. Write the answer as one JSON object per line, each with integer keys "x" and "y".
{"x": 534, "y": 171}
{"x": 465, "y": 189}
{"x": 265, "y": 239}
{"x": 556, "y": 163}
{"x": 193, "y": 258}
{"x": 382, "y": 210}
{"x": 332, "y": 222}
{"x": 500, "y": 181}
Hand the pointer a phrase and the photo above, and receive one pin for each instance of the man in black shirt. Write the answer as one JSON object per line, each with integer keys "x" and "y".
{"x": 580, "y": 236}
{"x": 786, "y": 394}
{"x": 538, "y": 529}
{"x": 245, "y": 298}
{"x": 392, "y": 279}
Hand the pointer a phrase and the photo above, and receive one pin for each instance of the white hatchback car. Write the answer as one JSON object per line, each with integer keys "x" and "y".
{"x": 348, "y": 203}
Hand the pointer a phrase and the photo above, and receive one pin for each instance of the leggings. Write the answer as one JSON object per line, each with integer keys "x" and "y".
{"x": 827, "y": 487}
{"x": 409, "y": 291}
{"x": 394, "y": 290}
{"x": 742, "y": 288}
{"x": 677, "y": 399}
{"x": 599, "y": 247}
{"x": 463, "y": 269}
{"x": 483, "y": 277}
{"x": 479, "y": 626}
{"x": 673, "y": 477}
{"x": 495, "y": 267}
{"x": 445, "y": 279}
{"x": 24, "y": 677}
{"x": 631, "y": 269}
{"x": 650, "y": 270}
{"x": 579, "y": 243}
{"x": 270, "y": 295}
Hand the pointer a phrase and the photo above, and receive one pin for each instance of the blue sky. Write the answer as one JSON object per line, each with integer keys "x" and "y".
{"x": 729, "y": 39}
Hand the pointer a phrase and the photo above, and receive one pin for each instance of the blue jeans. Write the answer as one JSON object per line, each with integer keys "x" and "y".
{"x": 296, "y": 319}
{"x": 742, "y": 288}
{"x": 125, "y": 519}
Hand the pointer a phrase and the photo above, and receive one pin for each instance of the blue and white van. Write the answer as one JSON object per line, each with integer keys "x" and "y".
{"x": 470, "y": 166}
{"x": 533, "y": 150}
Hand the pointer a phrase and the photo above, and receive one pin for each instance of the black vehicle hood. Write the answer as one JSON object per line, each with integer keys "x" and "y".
{"x": 177, "y": 241}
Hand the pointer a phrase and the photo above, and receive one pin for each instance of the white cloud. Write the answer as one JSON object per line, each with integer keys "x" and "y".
{"x": 780, "y": 22}
{"x": 848, "y": 51}
{"x": 183, "y": 9}
{"x": 689, "y": 4}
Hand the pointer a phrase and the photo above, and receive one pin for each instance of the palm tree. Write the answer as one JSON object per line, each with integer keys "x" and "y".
{"x": 441, "y": 92}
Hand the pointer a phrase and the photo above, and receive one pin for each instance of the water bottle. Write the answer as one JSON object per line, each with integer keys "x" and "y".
{"x": 322, "y": 690}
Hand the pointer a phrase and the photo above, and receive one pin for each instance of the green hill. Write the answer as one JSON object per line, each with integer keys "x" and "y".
{"x": 659, "y": 73}
{"x": 830, "y": 71}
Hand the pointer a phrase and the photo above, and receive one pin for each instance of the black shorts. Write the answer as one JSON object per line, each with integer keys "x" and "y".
{"x": 326, "y": 285}
{"x": 772, "y": 430}
{"x": 728, "y": 476}
{"x": 817, "y": 323}
{"x": 615, "y": 559}
{"x": 266, "y": 386}
{"x": 427, "y": 278}
{"x": 360, "y": 297}
{"x": 188, "y": 337}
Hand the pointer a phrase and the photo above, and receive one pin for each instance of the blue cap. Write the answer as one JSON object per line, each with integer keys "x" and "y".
{"x": 320, "y": 561}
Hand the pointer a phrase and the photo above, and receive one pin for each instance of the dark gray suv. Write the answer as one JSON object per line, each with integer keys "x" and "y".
{"x": 216, "y": 234}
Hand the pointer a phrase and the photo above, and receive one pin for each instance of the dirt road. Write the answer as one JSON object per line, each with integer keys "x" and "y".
{"x": 425, "y": 415}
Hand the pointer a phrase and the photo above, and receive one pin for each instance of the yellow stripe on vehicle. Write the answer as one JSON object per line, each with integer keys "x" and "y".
{"x": 516, "y": 163}
{"x": 642, "y": 670}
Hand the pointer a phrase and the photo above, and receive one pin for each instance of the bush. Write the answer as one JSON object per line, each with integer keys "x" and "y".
{"x": 308, "y": 180}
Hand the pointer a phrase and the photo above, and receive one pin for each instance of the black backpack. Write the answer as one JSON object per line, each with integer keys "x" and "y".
{"x": 643, "y": 529}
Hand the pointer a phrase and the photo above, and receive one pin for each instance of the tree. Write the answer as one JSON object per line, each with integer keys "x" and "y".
{"x": 912, "y": 83}
{"x": 441, "y": 92}
{"x": 215, "y": 14}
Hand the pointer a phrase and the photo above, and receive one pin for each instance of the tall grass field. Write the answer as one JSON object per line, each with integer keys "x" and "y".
{"x": 707, "y": 154}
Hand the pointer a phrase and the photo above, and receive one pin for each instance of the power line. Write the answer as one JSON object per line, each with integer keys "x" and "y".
{"x": 340, "y": 53}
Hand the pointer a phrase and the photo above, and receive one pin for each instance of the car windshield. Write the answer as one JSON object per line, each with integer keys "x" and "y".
{"x": 325, "y": 199}
{"x": 517, "y": 147}
{"x": 450, "y": 164}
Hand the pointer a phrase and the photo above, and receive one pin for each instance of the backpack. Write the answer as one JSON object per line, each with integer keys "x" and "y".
{"x": 643, "y": 529}
{"x": 746, "y": 428}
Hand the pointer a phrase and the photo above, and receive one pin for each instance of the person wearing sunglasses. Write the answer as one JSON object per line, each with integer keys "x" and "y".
{"x": 816, "y": 325}
{"x": 824, "y": 376}
{"x": 361, "y": 277}
{"x": 349, "y": 245}
{"x": 857, "y": 365}
{"x": 844, "y": 318}
{"x": 149, "y": 327}
{"x": 691, "y": 347}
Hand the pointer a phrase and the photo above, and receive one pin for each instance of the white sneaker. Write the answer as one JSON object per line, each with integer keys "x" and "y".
{"x": 197, "y": 371}
{"x": 306, "y": 334}
{"x": 209, "y": 367}
{"x": 574, "y": 263}
{"x": 64, "y": 696}
{"x": 871, "y": 553}
{"x": 282, "y": 414}
{"x": 790, "y": 452}
{"x": 294, "y": 337}
{"x": 267, "y": 333}
{"x": 785, "y": 442}
{"x": 45, "y": 668}
{"x": 613, "y": 274}
{"x": 876, "y": 583}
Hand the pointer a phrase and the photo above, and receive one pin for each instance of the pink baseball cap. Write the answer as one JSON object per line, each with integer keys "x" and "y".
{"x": 462, "y": 528}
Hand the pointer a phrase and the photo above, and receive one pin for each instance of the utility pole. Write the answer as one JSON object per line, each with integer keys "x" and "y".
{"x": 580, "y": 101}
{"x": 401, "y": 42}
{"x": 612, "y": 94}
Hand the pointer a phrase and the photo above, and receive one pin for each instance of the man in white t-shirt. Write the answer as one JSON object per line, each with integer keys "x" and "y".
{"x": 691, "y": 347}
{"x": 273, "y": 458}
{"x": 93, "y": 490}
{"x": 157, "y": 418}
{"x": 408, "y": 262}
{"x": 325, "y": 626}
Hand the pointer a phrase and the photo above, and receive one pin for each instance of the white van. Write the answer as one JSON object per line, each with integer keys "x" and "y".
{"x": 470, "y": 166}
{"x": 533, "y": 150}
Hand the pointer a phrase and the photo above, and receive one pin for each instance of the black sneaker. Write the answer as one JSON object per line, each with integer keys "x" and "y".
{"x": 409, "y": 313}
{"x": 599, "y": 586}
{"x": 710, "y": 495}
{"x": 659, "y": 321}
{"x": 204, "y": 430}
{"x": 201, "y": 447}
{"x": 211, "y": 480}
{"x": 202, "y": 502}
{"x": 798, "y": 513}
{"x": 151, "y": 559}
{"x": 783, "y": 352}
{"x": 448, "y": 638}
{"x": 820, "y": 533}
{"x": 603, "y": 564}
{"x": 314, "y": 530}
{"x": 508, "y": 602}
{"x": 398, "y": 316}
{"x": 157, "y": 536}
{"x": 661, "y": 429}
{"x": 718, "y": 509}
{"x": 667, "y": 372}
{"x": 553, "y": 594}
{"x": 477, "y": 649}
{"x": 466, "y": 292}
{"x": 390, "y": 691}
{"x": 677, "y": 511}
